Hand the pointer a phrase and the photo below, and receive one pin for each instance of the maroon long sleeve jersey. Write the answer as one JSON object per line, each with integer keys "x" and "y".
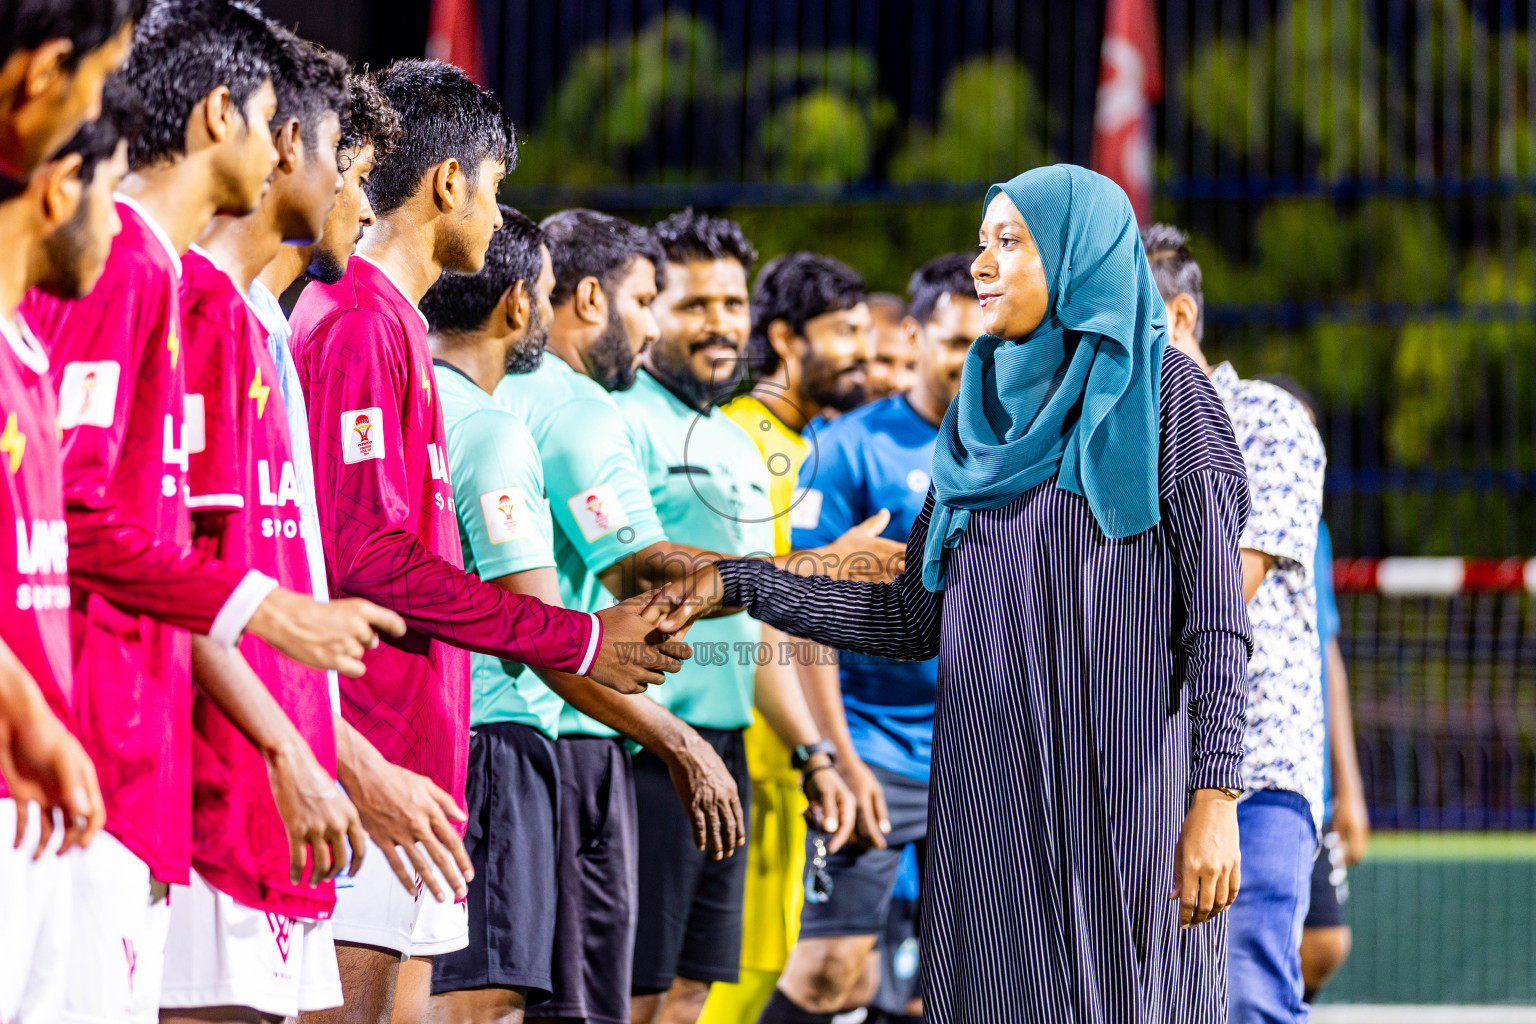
{"x": 389, "y": 530}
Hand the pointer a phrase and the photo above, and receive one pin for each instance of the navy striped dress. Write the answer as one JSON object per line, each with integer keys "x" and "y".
{"x": 1085, "y": 686}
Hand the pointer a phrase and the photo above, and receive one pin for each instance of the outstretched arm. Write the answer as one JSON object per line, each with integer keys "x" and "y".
{"x": 370, "y": 500}
{"x": 893, "y": 620}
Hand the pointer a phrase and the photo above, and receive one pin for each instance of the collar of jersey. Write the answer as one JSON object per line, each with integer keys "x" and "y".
{"x": 396, "y": 286}
{"x": 27, "y": 348}
{"x": 154, "y": 229}
{"x": 663, "y": 386}
{"x": 205, "y": 254}
{"x": 265, "y": 313}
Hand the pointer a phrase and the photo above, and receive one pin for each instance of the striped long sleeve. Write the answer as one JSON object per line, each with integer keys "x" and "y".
{"x": 1205, "y": 513}
{"x": 899, "y": 619}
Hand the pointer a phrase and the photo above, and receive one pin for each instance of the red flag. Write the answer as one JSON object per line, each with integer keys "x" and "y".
{"x": 1130, "y": 81}
{"x": 454, "y": 36}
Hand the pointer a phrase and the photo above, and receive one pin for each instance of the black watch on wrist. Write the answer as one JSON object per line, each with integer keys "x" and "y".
{"x": 801, "y": 755}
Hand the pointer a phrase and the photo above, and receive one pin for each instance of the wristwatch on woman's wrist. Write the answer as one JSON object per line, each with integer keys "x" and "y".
{"x": 802, "y": 754}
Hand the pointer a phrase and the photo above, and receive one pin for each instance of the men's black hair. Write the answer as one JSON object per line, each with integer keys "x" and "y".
{"x": 182, "y": 51}
{"x": 310, "y": 81}
{"x": 687, "y": 236}
{"x": 443, "y": 114}
{"x": 585, "y": 243}
{"x": 947, "y": 275}
{"x": 462, "y": 302}
{"x": 797, "y": 288}
{"x": 28, "y": 24}
{"x": 1173, "y": 267}
{"x": 122, "y": 116}
{"x": 369, "y": 119}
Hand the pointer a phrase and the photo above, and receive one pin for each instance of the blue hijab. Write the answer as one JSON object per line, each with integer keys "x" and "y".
{"x": 1078, "y": 398}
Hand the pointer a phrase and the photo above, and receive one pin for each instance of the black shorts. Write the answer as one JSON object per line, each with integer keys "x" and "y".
{"x": 690, "y": 904}
{"x": 863, "y": 878}
{"x": 595, "y": 919}
{"x": 1330, "y": 884}
{"x": 513, "y": 787}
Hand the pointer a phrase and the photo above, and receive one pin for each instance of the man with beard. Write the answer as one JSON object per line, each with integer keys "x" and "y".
{"x": 809, "y": 350}
{"x": 878, "y": 712}
{"x": 606, "y": 272}
{"x": 485, "y": 326}
{"x": 708, "y": 485}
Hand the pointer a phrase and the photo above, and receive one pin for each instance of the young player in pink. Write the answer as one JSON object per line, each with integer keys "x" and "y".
{"x": 248, "y": 931}
{"x": 58, "y": 232}
{"x": 202, "y": 70}
{"x": 243, "y": 496}
{"x": 408, "y": 816}
{"x": 386, "y": 503}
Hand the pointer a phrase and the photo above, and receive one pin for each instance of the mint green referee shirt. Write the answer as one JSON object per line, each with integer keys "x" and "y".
{"x": 504, "y": 527}
{"x": 598, "y": 499}
{"x": 709, "y": 487}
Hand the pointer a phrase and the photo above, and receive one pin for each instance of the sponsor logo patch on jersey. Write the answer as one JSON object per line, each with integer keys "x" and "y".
{"x": 362, "y": 434}
{"x": 917, "y": 480}
{"x": 506, "y": 514}
{"x": 598, "y": 511}
{"x": 88, "y": 393}
{"x": 805, "y": 509}
{"x": 194, "y": 423}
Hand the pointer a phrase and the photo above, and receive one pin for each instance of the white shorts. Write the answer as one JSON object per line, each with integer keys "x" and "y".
{"x": 117, "y": 945}
{"x": 374, "y": 909}
{"x": 223, "y": 953}
{"x": 34, "y": 909}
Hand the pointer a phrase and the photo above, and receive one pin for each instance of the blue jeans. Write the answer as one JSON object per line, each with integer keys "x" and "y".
{"x": 1264, "y": 925}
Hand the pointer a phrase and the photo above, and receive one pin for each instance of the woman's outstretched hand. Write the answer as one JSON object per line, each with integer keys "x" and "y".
{"x": 860, "y": 554}
{"x": 694, "y": 596}
{"x": 1207, "y": 864}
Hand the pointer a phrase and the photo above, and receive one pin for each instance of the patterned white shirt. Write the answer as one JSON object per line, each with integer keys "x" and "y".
{"x": 1283, "y": 745}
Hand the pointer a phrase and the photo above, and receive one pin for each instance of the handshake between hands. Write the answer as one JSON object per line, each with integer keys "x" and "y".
{"x": 643, "y": 636}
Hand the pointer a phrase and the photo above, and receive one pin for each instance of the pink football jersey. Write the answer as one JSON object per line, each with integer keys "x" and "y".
{"x": 137, "y": 583}
{"x": 389, "y": 530}
{"x": 245, "y": 506}
{"x": 34, "y": 551}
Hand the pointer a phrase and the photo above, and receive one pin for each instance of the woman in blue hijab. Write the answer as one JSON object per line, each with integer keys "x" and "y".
{"x": 1076, "y": 571}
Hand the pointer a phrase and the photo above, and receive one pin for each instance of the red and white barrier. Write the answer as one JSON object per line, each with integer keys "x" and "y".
{"x": 1433, "y": 577}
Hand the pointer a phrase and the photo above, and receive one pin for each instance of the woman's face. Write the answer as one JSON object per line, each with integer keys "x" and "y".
{"x": 1010, "y": 281}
